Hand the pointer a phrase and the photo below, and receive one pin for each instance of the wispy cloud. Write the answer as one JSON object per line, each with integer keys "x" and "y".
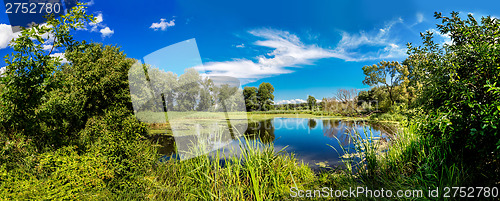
{"x": 6, "y": 35}
{"x": 47, "y": 47}
{"x": 287, "y": 51}
{"x": 445, "y": 38}
{"x": 240, "y": 45}
{"x": 385, "y": 45}
{"x": 162, "y": 25}
{"x": 89, "y": 3}
{"x": 420, "y": 18}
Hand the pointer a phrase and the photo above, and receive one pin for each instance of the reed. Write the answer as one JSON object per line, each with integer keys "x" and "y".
{"x": 253, "y": 171}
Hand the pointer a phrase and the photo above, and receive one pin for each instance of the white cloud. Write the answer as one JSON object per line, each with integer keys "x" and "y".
{"x": 60, "y": 55}
{"x": 105, "y": 32}
{"x": 240, "y": 45}
{"x": 99, "y": 26}
{"x": 98, "y": 19}
{"x": 47, "y": 47}
{"x": 420, "y": 18}
{"x": 89, "y": 3}
{"x": 163, "y": 24}
{"x": 6, "y": 35}
{"x": 2, "y": 70}
{"x": 287, "y": 51}
{"x": 445, "y": 38}
{"x": 293, "y": 101}
{"x": 386, "y": 45}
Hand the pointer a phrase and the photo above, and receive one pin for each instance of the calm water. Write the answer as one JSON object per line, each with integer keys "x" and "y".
{"x": 308, "y": 139}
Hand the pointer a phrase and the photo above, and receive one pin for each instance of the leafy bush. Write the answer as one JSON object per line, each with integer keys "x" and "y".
{"x": 459, "y": 88}
{"x": 62, "y": 174}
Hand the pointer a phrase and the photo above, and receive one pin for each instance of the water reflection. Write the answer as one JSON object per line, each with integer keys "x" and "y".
{"x": 312, "y": 123}
{"x": 310, "y": 139}
{"x": 261, "y": 130}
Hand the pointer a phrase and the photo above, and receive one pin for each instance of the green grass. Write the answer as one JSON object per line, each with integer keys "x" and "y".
{"x": 409, "y": 161}
{"x": 258, "y": 173}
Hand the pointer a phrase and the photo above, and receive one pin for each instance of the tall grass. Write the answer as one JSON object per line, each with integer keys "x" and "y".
{"x": 256, "y": 172}
{"x": 409, "y": 161}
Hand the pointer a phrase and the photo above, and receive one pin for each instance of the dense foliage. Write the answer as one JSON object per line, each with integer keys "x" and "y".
{"x": 68, "y": 129}
{"x": 460, "y": 90}
{"x": 451, "y": 92}
{"x": 259, "y": 99}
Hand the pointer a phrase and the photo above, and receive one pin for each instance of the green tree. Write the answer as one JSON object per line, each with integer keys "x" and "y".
{"x": 392, "y": 75}
{"x": 311, "y": 102}
{"x": 227, "y": 99}
{"x": 189, "y": 90}
{"x": 459, "y": 88}
{"x": 206, "y": 97}
{"x": 265, "y": 96}
{"x": 95, "y": 81}
{"x": 29, "y": 74}
{"x": 251, "y": 100}
{"x": 322, "y": 104}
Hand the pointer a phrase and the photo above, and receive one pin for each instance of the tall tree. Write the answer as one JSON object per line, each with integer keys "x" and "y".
{"x": 390, "y": 74}
{"x": 265, "y": 96}
{"x": 348, "y": 99}
{"x": 322, "y": 104}
{"x": 206, "y": 97}
{"x": 311, "y": 102}
{"x": 29, "y": 74}
{"x": 460, "y": 86}
{"x": 251, "y": 100}
{"x": 188, "y": 90}
{"x": 226, "y": 97}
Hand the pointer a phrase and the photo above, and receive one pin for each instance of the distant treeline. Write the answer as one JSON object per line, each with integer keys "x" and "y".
{"x": 190, "y": 91}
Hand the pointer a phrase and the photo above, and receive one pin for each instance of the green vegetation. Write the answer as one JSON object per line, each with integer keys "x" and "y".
{"x": 258, "y": 173}
{"x": 261, "y": 99}
{"x": 187, "y": 92}
{"x": 311, "y": 102}
{"x": 68, "y": 131}
{"x": 451, "y": 137}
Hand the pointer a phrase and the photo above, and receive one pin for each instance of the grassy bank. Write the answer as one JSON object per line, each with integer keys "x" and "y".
{"x": 409, "y": 162}
{"x": 258, "y": 173}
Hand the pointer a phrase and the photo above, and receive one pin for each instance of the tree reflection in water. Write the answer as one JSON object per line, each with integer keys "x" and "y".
{"x": 263, "y": 130}
{"x": 312, "y": 123}
{"x": 307, "y": 138}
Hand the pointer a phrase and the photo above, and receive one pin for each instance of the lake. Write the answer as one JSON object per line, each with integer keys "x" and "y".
{"x": 310, "y": 139}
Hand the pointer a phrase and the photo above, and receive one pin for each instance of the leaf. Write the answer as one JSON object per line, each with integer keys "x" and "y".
{"x": 498, "y": 107}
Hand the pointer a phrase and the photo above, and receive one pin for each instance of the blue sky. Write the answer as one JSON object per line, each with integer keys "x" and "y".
{"x": 301, "y": 47}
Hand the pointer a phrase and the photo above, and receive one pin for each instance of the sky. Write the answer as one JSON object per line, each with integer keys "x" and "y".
{"x": 302, "y": 48}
